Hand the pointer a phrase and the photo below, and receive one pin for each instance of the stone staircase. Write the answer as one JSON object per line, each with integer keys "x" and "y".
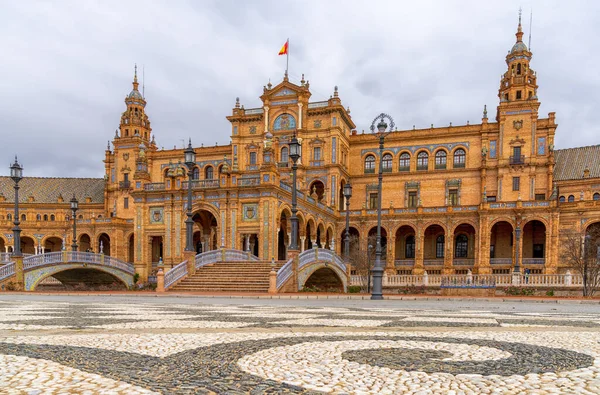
{"x": 238, "y": 276}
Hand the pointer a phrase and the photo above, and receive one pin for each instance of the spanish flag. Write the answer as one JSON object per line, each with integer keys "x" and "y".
{"x": 284, "y": 49}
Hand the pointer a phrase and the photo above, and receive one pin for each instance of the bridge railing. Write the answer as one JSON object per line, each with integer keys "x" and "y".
{"x": 7, "y": 270}
{"x": 320, "y": 254}
{"x": 284, "y": 273}
{"x": 175, "y": 274}
{"x": 58, "y": 257}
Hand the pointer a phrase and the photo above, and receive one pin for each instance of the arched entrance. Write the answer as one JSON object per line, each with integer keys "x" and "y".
{"x": 2, "y": 245}
{"x": 104, "y": 244}
{"x": 501, "y": 247}
{"x": 53, "y": 244}
{"x": 354, "y": 240}
{"x": 434, "y": 246}
{"x": 206, "y": 223}
{"x": 85, "y": 244}
{"x": 534, "y": 246}
{"x": 156, "y": 249}
{"x": 372, "y": 244}
{"x": 27, "y": 245}
{"x": 592, "y": 240}
{"x": 198, "y": 241}
{"x": 324, "y": 279}
{"x": 405, "y": 248}
{"x": 131, "y": 249}
{"x": 311, "y": 232}
{"x": 320, "y": 235}
{"x": 463, "y": 249}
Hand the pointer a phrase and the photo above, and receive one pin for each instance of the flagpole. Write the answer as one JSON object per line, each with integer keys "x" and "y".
{"x": 287, "y": 61}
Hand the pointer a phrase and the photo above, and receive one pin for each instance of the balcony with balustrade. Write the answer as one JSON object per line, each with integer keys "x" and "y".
{"x": 517, "y": 160}
{"x": 202, "y": 184}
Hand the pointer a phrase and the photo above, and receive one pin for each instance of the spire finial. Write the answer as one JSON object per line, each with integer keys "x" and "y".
{"x": 519, "y": 33}
{"x": 237, "y": 102}
{"x": 485, "y": 111}
{"x": 335, "y": 91}
{"x": 135, "y": 73}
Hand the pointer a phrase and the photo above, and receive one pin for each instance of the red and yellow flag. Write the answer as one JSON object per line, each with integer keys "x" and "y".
{"x": 284, "y": 49}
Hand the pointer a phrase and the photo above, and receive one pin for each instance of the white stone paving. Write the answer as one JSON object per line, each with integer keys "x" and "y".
{"x": 22, "y": 375}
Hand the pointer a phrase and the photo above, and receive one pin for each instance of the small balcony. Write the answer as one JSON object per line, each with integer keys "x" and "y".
{"x": 369, "y": 171}
{"x": 459, "y": 165}
{"x": 248, "y": 182}
{"x": 283, "y": 164}
{"x": 404, "y": 168}
{"x": 125, "y": 185}
{"x": 440, "y": 166}
{"x": 422, "y": 167}
{"x": 317, "y": 163}
{"x": 517, "y": 160}
{"x": 202, "y": 184}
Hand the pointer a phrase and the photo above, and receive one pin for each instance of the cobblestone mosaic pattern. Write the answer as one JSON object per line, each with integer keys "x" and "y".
{"x": 154, "y": 348}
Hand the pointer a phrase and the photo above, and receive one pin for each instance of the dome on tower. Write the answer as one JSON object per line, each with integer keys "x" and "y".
{"x": 135, "y": 94}
{"x": 518, "y": 47}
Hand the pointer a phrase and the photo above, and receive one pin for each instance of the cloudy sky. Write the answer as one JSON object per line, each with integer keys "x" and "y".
{"x": 67, "y": 65}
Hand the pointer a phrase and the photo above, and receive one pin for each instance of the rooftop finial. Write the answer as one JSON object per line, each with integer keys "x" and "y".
{"x": 237, "y": 102}
{"x": 135, "y": 73}
{"x": 485, "y": 111}
{"x": 519, "y": 29}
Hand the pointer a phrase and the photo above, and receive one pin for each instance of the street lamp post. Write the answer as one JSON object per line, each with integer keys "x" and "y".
{"x": 16, "y": 173}
{"x": 190, "y": 162}
{"x": 74, "y": 208}
{"x": 294, "y": 154}
{"x": 347, "y": 195}
{"x": 381, "y": 132}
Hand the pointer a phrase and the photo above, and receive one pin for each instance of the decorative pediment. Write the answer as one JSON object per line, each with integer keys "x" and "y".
{"x": 517, "y": 141}
{"x": 252, "y": 146}
{"x": 317, "y": 141}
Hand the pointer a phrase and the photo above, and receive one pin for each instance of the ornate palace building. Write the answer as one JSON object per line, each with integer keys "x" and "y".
{"x": 454, "y": 198}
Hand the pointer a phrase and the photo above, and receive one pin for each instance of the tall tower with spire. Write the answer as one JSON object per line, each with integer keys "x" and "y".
{"x": 519, "y": 83}
{"x": 134, "y": 121}
{"x": 524, "y": 145}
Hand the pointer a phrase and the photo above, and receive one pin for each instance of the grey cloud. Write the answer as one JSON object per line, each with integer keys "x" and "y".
{"x": 67, "y": 66}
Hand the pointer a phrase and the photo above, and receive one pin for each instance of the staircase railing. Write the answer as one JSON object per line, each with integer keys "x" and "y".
{"x": 175, "y": 274}
{"x": 222, "y": 255}
{"x": 7, "y": 270}
{"x": 285, "y": 272}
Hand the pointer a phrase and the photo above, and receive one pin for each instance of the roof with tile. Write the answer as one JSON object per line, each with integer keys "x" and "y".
{"x": 47, "y": 190}
{"x": 572, "y": 162}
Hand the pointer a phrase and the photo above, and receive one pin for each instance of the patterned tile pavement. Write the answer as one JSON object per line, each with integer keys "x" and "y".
{"x": 91, "y": 347}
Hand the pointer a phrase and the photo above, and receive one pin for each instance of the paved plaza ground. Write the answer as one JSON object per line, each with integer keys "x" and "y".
{"x": 152, "y": 345}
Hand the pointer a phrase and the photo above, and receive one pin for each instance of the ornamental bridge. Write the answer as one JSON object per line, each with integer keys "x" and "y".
{"x": 316, "y": 267}
{"x": 68, "y": 267}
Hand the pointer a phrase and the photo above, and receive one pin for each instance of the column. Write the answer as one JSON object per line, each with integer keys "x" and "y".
{"x": 299, "y": 115}
{"x": 302, "y": 240}
{"x": 266, "y": 108}
{"x": 449, "y": 254}
{"x": 419, "y": 241}
{"x": 390, "y": 266}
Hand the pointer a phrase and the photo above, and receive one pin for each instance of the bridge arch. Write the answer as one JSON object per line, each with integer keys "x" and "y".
{"x": 73, "y": 273}
{"x": 322, "y": 268}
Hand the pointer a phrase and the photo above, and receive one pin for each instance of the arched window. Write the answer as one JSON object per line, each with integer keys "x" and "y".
{"x": 422, "y": 159}
{"x": 196, "y": 174}
{"x": 409, "y": 249}
{"x": 38, "y": 217}
{"x": 387, "y": 162}
{"x": 518, "y": 68}
{"x": 252, "y": 158}
{"x": 208, "y": 173}
{"x": 370, "y": 164}
{"x": 405, "y": 162}
{"x": 596, "y": 196}
{"x": 52, "y": 217}
{"x": 23, "y": 217}
{"x": 440, "y": 159}
{"x": 285, "y": 157}
{"x": 561, "y": 199}
{"x": 9, "y": 217}
{"x": 571, "y": 198}
{"x": 284, "y": 122}
{"x": 80, "y": 216}
{"x": 439, "y": 246}
{"x": 460, "y": 158}
{"x": 462, "y": 246}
